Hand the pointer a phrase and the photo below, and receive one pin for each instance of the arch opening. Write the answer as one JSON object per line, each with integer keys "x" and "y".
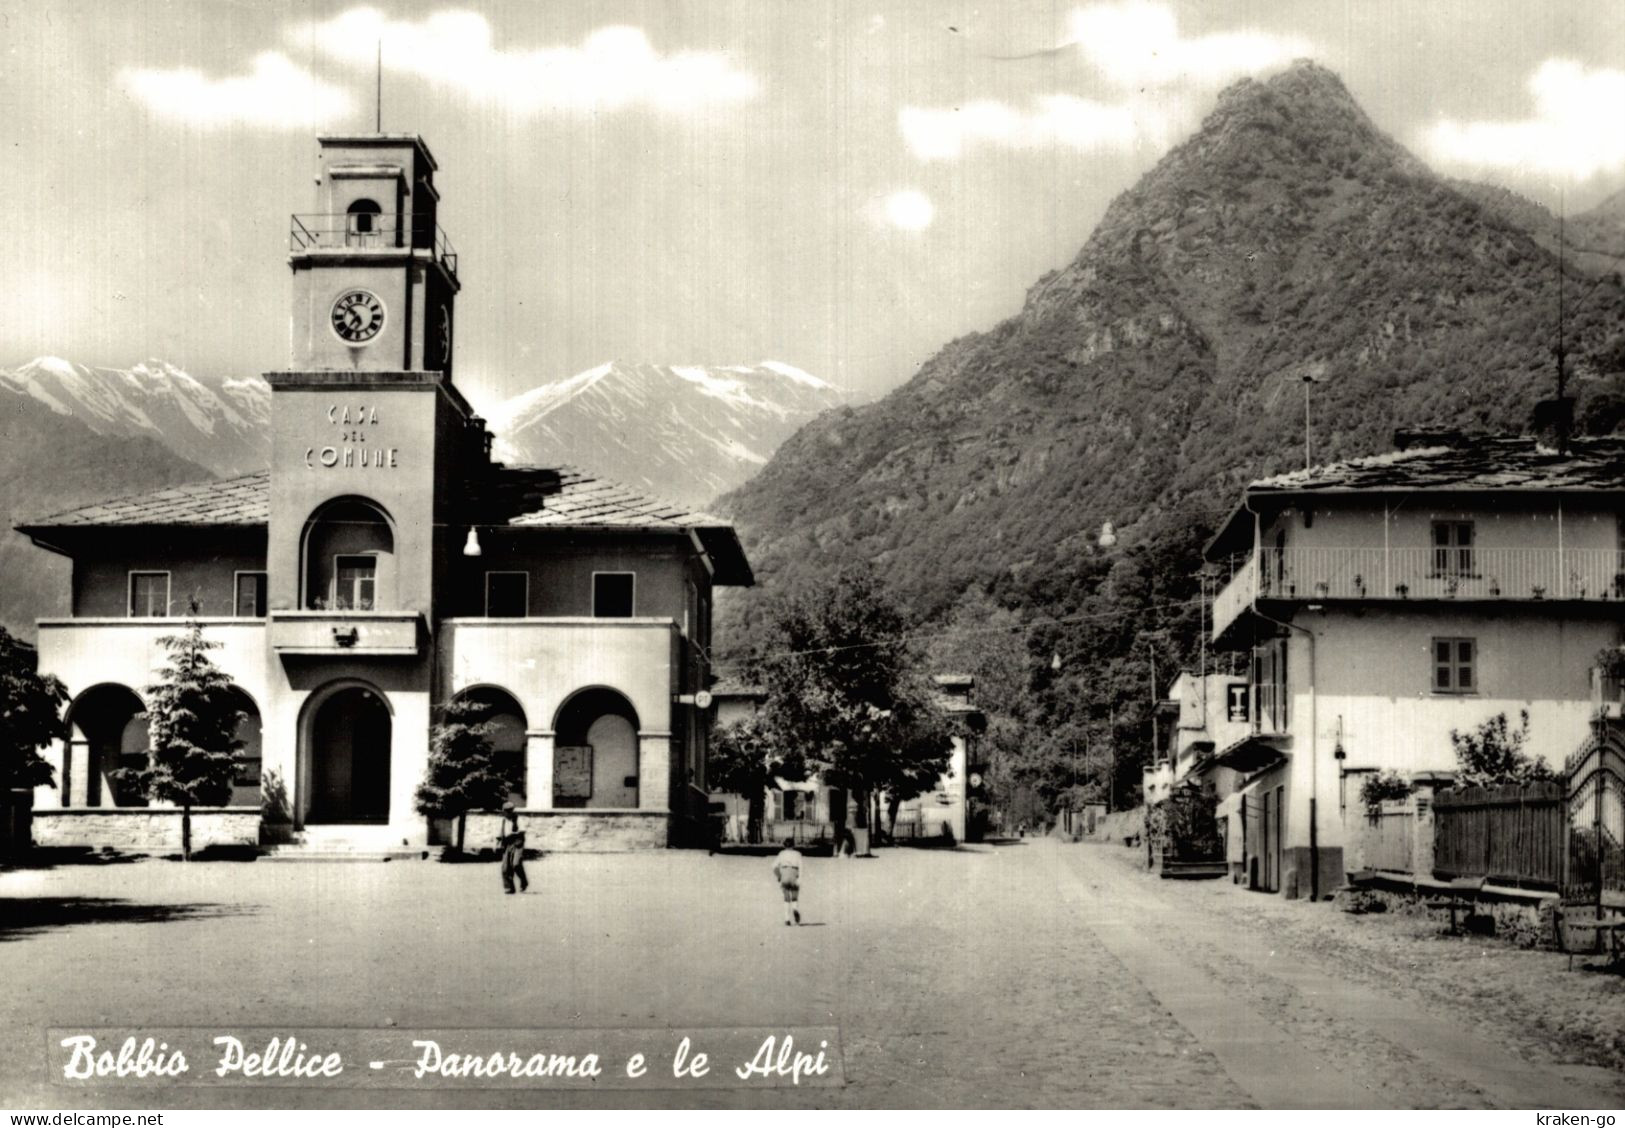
{"x": 502, "y": 711}
{"x": 106, "y": 732}
{"x": 347, "y": 748}
{"x": 349, "y": 565}
{"x": 363, "y": 225}
{"x": 596, "y": 752}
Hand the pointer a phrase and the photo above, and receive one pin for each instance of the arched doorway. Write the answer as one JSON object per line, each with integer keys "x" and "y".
{"x": 106, "y": 733}
{"x": 596, "y": 751}
{"x": 502, "y": 711}
{"x": 349, "y": 752}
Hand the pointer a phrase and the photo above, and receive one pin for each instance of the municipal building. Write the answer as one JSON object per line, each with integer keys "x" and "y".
{"x": 383, "y": 566}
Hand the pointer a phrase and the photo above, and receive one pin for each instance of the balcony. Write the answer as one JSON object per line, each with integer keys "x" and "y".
{"x": 1319, "y": 575}
{"x": 391, "y": 231}
{"x": 347, "y": 634}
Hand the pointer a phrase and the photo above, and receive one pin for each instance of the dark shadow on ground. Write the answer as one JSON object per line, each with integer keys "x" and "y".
{"x": 51, "y": 857}
{"x": 25, "y": 916}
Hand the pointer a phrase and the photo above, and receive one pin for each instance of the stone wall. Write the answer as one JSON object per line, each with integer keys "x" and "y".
{"x": 146, "y": 829}
{"x": 579, "y": 831}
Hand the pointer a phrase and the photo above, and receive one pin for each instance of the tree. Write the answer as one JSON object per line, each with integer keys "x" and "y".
{"x": 30, "y": 716}
{"x": 1494, "y": 754}
{"x": 192, "y": 718}
{"x": 843, "y": 684}
{"x": 746, "y": 757}
{"x": 464, "y": 772}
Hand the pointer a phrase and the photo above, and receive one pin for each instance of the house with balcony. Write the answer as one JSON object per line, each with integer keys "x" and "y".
{"x": 383, "y": 566}
{"x": 1388, "y": 601}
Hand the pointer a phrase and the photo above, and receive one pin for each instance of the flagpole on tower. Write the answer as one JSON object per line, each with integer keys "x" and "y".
{"x": 378, "y": 96}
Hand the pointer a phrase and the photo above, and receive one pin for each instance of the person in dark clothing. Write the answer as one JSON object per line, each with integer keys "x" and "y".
{"x": 513, "y": 851}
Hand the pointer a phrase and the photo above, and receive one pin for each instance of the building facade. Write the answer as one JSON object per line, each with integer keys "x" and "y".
{"x": 1387, "y": 602}
{"x": 383, "y": 566}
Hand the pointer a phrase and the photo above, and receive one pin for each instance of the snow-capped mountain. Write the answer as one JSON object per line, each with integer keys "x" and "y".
{"x": 683, "y": 433}
{"x": 221, "y": 424}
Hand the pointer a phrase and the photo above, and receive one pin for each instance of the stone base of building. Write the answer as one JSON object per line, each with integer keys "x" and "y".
{"x": 143, "y": 830}
{"x": 1297, "y": 870}
{"x": 583, "y": 831}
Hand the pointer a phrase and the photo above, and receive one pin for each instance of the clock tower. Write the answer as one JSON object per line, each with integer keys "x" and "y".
{"x": 375, "y": 279}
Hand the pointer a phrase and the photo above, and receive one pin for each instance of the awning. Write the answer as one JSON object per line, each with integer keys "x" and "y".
{"x": 1255, "y": 753}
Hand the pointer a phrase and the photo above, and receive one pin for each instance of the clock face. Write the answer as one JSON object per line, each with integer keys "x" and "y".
{"x": 442, "y": 335}
{"x": 358, "y": 316}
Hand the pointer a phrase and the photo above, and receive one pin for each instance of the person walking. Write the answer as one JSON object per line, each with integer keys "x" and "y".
{"x": 787, "y": 868}
{"x": 513, "y": 851}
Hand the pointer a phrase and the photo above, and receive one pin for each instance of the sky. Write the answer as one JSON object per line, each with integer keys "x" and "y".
{"x": 841, "y": 186}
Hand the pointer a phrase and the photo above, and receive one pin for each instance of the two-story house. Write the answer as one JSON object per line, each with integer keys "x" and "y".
{"x": 382, "y": 566}
{"x": 1389, "y": 601}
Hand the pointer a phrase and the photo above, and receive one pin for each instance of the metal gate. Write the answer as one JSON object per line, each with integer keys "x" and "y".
{"x": 1595, "y": 792}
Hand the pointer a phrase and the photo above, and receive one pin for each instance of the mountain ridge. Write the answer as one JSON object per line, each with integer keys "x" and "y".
{"x": 1144, "y": 382}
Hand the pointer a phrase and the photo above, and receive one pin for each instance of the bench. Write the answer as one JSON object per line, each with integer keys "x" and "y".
{"x": 1462, "y": 894}
{"x": 1606, "y": 931}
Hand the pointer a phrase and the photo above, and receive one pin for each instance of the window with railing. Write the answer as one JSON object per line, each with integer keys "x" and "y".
{"x": 1453, "y": 550}
{"x": 356, "y": 583}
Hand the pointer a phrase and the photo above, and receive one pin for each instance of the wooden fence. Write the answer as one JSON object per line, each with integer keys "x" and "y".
{"x": 1507, "y": 833}
{"x": 1387, "y": 842}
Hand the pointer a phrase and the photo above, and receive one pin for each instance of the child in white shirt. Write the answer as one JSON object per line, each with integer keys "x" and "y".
{"x": 787, "y": 868}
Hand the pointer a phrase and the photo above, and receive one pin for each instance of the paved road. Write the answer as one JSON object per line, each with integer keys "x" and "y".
{"x": 1035, "y": 975}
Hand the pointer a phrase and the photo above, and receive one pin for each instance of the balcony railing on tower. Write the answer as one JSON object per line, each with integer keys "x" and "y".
{"x": 371, "y": 232}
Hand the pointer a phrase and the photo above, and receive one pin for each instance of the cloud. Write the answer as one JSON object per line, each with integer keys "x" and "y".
{"x": 910, "y": 210}
{"x": 1138, "y": 44}
{"x": 1576, "y": 130}
{"x": 275, "y": 94}
{"x": 1054, "y": 119}
{"x": 612, "y": 68}
{"x": 1154, "y": 81}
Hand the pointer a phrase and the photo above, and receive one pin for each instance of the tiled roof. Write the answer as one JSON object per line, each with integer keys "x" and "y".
{"x": 1461, "y": 464}
{"x": 1499, "y": 463}
{"x": 519, "y": 496}
{"x": 572, "y": 498}
{"x": 234, "y": 501}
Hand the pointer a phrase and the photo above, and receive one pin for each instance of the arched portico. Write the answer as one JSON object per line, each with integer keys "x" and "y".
{"x": 596, "y": 754}
{"x": 106, "y": 732}
{"x": 506, "y": 717}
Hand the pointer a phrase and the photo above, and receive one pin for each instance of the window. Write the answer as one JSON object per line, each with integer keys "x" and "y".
{"x": 362, "y": 228}
{"x": 356, "y": 581}
{"x": 507, "y": 595}
{"x": 1453, "y": 549}
{"x": 149, "y": 595}
{"x": 251, "y": 595}
{"x": 1455, "y": 665}
{"x": 795, "y": 806}
{"x": 612, "y": 595}
{"x": 1271, "y": 712}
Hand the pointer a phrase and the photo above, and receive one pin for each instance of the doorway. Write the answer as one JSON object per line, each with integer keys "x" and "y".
{"x": 349, "y": 758}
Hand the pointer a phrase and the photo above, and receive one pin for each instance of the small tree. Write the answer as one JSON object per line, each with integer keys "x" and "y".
{"x": 1493, "y": 754}
{"x": 192, "y": 718}
{"x": 464, "y": 772}
{"x": 746, "y": 757}
{"x": 30, "y": 716}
